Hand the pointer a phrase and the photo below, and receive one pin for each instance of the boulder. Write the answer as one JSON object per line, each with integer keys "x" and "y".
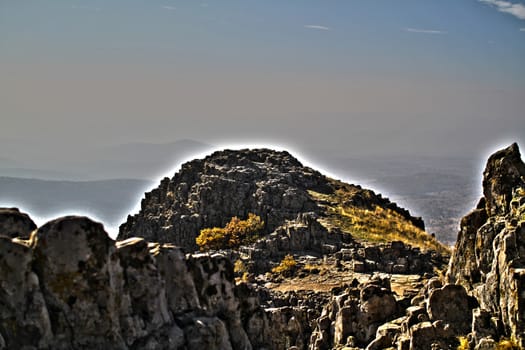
{"x": 81, "y": 280}
{"x": 13, "y": 223}
{"x": 452, "y": 305}
{"x": 24, "y": 318}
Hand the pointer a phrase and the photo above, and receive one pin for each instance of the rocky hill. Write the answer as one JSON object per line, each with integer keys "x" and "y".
{"x": 67, "y": 285}
{"x": 273, "y": 185}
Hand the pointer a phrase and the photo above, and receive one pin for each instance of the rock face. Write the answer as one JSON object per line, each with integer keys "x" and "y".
{"x": 72, "y": 287}
{"x": 489, "y": 257}
{"x": 353, "y": 317}
{"x": 208, "y": 192}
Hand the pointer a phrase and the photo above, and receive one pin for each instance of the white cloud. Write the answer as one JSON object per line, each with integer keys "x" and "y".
{"x": 517, "y": 10}
{"x": 522, "y": 29}
{"x": 171, "y": 8}
{"x": 424, "y": 31}
{"x": 316, "y": 26}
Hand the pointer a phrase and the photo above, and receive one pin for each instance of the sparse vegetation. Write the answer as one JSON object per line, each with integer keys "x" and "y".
{"x": 239, "y": 267}
{"x": 503, "y": 344}
{"x": 463, "y": 343}
{"x": 374, "y": 224}
{"x": 235, "y": 233}
{"x": 286, "y": 267}
{"x": 507, "y": 344}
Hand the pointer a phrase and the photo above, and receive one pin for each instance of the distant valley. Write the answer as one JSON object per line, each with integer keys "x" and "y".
{"x": 107, "y": 200}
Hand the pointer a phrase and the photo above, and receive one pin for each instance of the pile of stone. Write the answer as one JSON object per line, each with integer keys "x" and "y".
{"x": 393, "y": 257}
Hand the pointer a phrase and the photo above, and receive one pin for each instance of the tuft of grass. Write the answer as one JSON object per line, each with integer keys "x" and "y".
{"x": 239, "y": 267}
{"x": 463, "y": 343}
{"x": 287, "y": 266}
{"x": 375, "y": 223}
{"x": 507, "y": 344}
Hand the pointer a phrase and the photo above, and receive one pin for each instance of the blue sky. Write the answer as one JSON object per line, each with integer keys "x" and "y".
{"x": 428, "y": 77}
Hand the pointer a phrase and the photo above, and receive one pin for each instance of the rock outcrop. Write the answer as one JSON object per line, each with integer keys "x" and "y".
{"x": 209, "y": 192}
{"x": 70, "y": 286}
{"x": 489, "y": 257}
{"x": 353, "y": 317}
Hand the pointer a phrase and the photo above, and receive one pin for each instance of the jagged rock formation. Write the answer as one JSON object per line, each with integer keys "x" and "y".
{"x": 489, "y": 257}
{"x": 72, "y": 287}
{"x": 353, "y": 317}
{"x": 483, "y": 296}
{"x": 371, "y": 316}
{"x": 208, "y": 192}
{"x": 307, "y": 234}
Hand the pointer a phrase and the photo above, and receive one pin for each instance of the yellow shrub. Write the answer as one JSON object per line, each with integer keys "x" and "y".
{"x": 286, "y": 266}
{"x": 239, "y": 267}
{"x": 463, "y": 343}
{"x": 240, "y": 230}
{"x": 506, "y": 344}
{"x": 235, "y": 233}
{"x": 212, "y": 238}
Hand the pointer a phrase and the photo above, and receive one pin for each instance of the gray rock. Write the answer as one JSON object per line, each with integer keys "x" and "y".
{"x": 451, "y": 305}
{"x": 13, "y": 223}
{"x": 489, "y": 257}
{"x": 80, "y": 276}
{"x": 24, "y": 318}
{"x": 355, "y": 313}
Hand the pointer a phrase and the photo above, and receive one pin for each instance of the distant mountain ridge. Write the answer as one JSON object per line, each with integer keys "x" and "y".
{"x": 107, "y": 200}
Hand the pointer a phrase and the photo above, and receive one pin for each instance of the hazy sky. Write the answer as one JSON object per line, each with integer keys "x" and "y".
{"x": 349, "y": 76}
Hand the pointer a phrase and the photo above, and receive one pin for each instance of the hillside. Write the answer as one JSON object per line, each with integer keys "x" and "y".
{"x": 275, "y": 186}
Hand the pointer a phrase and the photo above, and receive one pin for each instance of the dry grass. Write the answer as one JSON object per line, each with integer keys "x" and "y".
{"x": 506, "y": 344}
{"x": 463, "y": 344}
{"x": 377, "y": 224}
{"x": 286, "y": 266}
